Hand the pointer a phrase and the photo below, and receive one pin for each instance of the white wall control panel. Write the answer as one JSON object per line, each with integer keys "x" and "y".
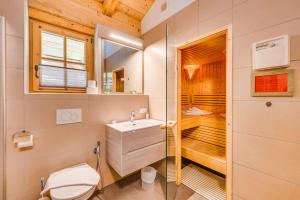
{"x": 68, "y": 116}
{"x": 271, "y": 53}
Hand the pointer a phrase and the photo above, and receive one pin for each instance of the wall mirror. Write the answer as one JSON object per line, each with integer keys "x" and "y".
{"x": 122, "y": 68}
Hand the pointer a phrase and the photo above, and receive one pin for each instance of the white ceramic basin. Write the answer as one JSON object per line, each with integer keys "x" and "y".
{"x": 138, "y": 124}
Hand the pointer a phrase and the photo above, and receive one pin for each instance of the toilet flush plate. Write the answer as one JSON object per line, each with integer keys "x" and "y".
{"x": 68, "y": 116}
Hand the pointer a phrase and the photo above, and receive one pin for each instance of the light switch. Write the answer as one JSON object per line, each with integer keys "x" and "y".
{"x": 68, "y": 116}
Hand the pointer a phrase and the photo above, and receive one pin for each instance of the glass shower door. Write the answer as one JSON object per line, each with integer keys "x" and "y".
{"x": 172, "y": 159}
{"x": 2, "y": 99}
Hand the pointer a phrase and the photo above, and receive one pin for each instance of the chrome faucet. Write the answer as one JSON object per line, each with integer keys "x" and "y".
{"x": 132, "y": 116}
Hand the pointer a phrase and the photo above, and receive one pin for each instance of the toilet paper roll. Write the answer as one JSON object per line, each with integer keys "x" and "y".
{"x": 92, "y": 90}
{"x": 92, "y": 84}
{"x": 25, "y": 143}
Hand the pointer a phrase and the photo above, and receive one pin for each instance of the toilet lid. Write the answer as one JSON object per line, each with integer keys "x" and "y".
{"x": 75, "y": 182}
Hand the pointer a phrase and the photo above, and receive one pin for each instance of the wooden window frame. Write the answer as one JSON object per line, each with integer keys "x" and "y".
{"x": 35, "y": 30}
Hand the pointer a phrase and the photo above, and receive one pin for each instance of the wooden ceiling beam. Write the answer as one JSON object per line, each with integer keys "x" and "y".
{"x": 86, "y": 12}
{"x": 109, "y": 7}
{"x": 58, "y": 21}
{"x": 129, "y": 11}
{"x": 141, "y": 6}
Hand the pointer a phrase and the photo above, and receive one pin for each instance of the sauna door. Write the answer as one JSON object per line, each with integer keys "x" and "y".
{"x": 118, "y": 80}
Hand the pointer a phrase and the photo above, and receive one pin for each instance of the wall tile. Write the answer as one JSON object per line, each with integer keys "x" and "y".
{"x": 15, "y": 119}
{"x": 210, "y": 8}
{"x": 280, "y": 121}
{"x": 242, "y": 46}
{"x": 238, "y": 2}
{"x": 235, "y": 197}
{"x": 179, "y": 28}
{"x": 157, "y": 107}
{"x": 256, "y": 14}
{"x": 41, "y": 114}
{"x": 108, "y": 107}
{"x": 218, "y": 21}
{"x": 268, "y": 156}
{"x": 252, "y": 185}
{"x": 14, "y": 52}
{"x": 242, "y": 82}
{"x": 13, "y": 10}
{"x": 14, "y": 83}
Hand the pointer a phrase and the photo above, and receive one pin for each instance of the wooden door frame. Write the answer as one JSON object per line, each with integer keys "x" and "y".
{"x": 229, "y": 103}
{"x": 114, "y": 77}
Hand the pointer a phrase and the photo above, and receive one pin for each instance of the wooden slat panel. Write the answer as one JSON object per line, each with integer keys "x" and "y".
{"x": 209, "y": 100}
{"x": 207, "y": 134}
{"x": 209, "y": 155}
{"x": 185, "y": 100}
{"x": 129, "y": 11}
{"x": 58, "y": 21}
{"x": 209, "y": 79}
{"x": 141, "y": 6}
{"x": 212, "y": 120}
{"x": 87, "y": 13}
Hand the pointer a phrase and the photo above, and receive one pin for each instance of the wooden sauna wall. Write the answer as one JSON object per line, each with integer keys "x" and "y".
{"x": 209, "y": 79}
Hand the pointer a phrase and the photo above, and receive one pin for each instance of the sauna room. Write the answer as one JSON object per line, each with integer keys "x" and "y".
{"x": 202, "y": 111}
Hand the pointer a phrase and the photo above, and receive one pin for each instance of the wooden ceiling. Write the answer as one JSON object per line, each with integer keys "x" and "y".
{"x": 83, "y": 15}
{"x": 213, "y": 49}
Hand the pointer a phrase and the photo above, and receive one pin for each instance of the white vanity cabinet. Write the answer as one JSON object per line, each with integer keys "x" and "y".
{"x": 130, "y": 149}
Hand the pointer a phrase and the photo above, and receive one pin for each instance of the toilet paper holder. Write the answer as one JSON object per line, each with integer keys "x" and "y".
{"x": 21, "y": 133}
{"x": 23, "y": 139}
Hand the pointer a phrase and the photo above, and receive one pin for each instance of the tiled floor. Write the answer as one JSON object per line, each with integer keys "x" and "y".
{"x": 130, "y": 188}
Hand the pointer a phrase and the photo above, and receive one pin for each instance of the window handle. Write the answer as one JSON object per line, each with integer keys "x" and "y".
{"x": 36, "y": 70}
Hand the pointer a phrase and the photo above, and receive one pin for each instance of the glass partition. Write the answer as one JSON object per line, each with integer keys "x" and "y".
{"x": 172, "y": 161}
{"x": 2, "y": 78}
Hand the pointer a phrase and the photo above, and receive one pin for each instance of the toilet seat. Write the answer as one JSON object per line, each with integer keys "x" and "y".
{"x": 78, "y": 189}
{"x": 72, "y": 192}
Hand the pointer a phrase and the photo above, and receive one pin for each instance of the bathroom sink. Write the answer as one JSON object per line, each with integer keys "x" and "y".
{"x": 137, "y": 124}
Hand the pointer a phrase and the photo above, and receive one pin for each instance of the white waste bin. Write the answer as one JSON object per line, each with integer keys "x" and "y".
{"x": 148, "y": 175}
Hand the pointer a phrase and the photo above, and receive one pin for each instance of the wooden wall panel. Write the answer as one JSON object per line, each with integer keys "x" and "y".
{"x": 209, "y": 79}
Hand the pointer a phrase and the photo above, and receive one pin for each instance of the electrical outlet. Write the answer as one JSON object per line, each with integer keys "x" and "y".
{"x": 68, "y": 116}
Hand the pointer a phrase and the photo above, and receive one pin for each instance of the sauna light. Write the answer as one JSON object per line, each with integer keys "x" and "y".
{"x": 191, "y": 69}
{"x": 124, "y": 39}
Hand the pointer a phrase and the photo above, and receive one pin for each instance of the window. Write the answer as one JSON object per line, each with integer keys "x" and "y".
{"x": 60, "y": 60}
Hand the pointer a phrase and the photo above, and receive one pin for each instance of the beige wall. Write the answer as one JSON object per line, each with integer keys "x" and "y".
{"x": 266, "y": 141}
{"x": 55, "y": 147}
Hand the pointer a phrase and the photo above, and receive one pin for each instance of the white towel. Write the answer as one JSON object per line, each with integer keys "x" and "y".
{"x": 82, "y": 175}
{"x": 196, "y": 111}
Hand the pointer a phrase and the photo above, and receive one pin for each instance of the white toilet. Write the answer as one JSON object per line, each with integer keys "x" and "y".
{"x": 74, "y": 183}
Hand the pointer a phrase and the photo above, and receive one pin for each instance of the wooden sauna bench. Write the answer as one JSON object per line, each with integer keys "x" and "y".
{"x": 204, "y": 140}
